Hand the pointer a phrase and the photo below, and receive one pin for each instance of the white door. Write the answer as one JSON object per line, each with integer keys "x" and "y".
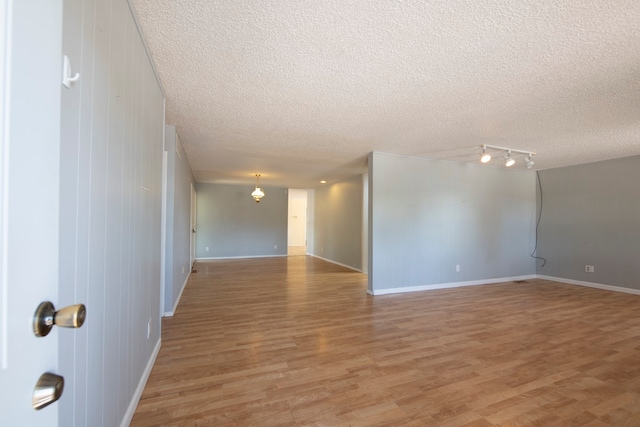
{"x": 29, "y": 173}
{"x": 297, "y": 224}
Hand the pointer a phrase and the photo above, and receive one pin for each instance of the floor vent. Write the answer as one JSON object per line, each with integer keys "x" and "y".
{"x": 520, "y": 281}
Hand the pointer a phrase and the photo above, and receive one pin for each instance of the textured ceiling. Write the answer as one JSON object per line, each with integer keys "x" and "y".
{"x": 302, "y": 90}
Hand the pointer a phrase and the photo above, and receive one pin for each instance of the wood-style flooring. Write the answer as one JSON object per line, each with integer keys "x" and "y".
{"x": 296, "y": 341}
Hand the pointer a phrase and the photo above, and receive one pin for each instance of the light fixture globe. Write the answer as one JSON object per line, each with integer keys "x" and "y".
{"x": 257, "y": 194}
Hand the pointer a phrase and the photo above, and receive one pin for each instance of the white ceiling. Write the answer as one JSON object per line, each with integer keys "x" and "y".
{"x": 302, "y": 90}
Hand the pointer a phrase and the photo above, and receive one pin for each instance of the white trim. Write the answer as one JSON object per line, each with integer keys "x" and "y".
{"x": 175, "y": 305}
{"x": 128, "y": 416}
{"x": 240, "y": 257}
{"x": 448, "y": 285}
{"x": 5, "y": 94}
{"x": 590, "y": 284}
{"x": 337, "y": 263}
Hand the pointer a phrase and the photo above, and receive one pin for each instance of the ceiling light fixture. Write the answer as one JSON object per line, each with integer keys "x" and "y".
{"x": 529, "y": 162}
{"x": 486, "y": 157}
{"x": 508, "y": 157}
{"x": 509, "y": 161}
{"x": 323, "y": 182}
{"x": 257, "y": 193}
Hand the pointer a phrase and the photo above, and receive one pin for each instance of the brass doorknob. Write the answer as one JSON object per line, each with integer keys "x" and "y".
{"x": 48, "y": 390}
{"x": 46, "y": 316}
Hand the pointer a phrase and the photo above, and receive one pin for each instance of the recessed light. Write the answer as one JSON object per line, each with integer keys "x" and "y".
{"x": 323, "y": 182}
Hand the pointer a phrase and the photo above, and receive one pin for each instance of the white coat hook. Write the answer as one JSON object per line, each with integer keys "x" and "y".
{"x": 66, "y": 73}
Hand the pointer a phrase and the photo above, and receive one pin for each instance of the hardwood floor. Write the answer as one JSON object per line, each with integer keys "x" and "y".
{"x": 296, "y": 250}
{"x": 296, "y": 341}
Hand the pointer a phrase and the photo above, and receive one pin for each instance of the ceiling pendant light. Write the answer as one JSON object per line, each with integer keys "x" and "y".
{"x": 529, "y": 162}
{"x": 509, "y": 161}
{"x": 257, "y": 193}
{"x": 485, "y": 156}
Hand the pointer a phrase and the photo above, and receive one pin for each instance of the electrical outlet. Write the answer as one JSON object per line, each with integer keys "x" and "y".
{"x": 589, "y": 268}
{"x": 149, "y": 328}
{"x": 275, "y": 246}
{"x": 321, "y": 249}
{"x": 183, "y": 269}
{"x": 206, "y": 249}
{"x": 457, "y": 268}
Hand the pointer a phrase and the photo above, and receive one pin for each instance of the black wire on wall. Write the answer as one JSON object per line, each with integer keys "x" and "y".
{"x": 533, "y": 254}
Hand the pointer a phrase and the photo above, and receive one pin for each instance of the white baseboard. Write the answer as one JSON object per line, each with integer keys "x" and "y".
{"x": 590, "y": 284}
{"x": 448, "y": 285}
{"x": 175, "y": 305}
{"x": 131, "y": 410}
{"x": 241, "y": 257}
{"x": 336, "y": 263}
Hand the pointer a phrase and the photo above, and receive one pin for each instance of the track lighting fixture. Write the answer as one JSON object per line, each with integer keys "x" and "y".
{"x": 257, "y": 193}
{"x": 509, "y": 160}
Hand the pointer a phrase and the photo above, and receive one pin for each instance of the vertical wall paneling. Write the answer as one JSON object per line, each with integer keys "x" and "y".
{"x": 170, "y": 152}
{"x": 177, "y": 225}
{"x": 365, "y": 223}
{"x": 163, "y": 234}
{"x": 192, "y": 225}
{"x": 112, "y": 129}
{"x": 4, "y": 100}
{"x": 183, "y": 181}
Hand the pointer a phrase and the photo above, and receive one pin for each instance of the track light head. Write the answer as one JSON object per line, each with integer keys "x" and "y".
{"x": 509, "y": 161}
{"x": 485, "y": 156}
{"x": 529, "y": 162}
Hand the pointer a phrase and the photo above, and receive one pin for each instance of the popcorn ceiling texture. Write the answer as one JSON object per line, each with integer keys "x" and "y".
{"x": 302, "y": 90}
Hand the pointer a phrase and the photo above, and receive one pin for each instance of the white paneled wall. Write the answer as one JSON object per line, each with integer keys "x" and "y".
{"x": 111, "y": 163}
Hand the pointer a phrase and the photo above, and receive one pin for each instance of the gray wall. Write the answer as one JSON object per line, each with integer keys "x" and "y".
{"x": 110, "y": 210}
{"x": 426, "y": 216}
{"x": 178, "y": 224}
{"x": 232, "y": 224}
{"x": 591, "y": 215}
{"x": 337, "y": 232}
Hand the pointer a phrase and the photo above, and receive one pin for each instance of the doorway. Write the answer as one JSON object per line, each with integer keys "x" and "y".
{"x": 297, "y": 222}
